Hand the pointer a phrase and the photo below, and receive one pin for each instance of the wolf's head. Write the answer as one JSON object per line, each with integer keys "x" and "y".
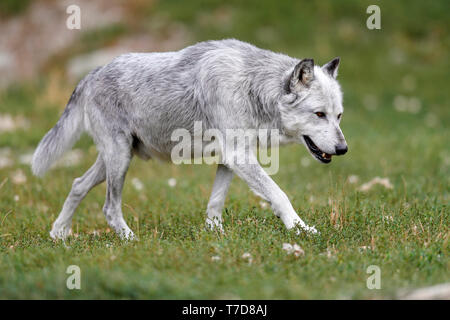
{"x": 311, "y": 108}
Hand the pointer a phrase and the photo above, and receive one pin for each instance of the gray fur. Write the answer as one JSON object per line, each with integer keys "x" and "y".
{"x": 133, "y": 104}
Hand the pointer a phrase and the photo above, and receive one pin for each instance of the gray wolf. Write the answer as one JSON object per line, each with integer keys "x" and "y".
{"x": 133, "y": 104}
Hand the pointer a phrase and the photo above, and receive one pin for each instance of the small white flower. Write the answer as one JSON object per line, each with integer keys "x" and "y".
{"x": 26, "y": 158}
{"x": 263, "y": 204}
{"x": 287, "y": 247}
{"x": 172, "y": 182}
{"x": 353, "y": 179}
{"x": 247, "y": 256}
{"x": 215, "y": 258}
{"x": 5, "y": 158}
{"x": 400, "y": 103}
{"x": 446, "y": 161}
{"x": 10, "y": 123}
{"x": 298, "y": 251}
{"x": 405, "y": 104}
{"x": 16, "y": 198}
{"x": 18, "y": 177}
{"x": 295, "y": 249}
{"x": 414, "y": 105}
{"x": 137, "y": 184}
{"x": 363, "y": 248}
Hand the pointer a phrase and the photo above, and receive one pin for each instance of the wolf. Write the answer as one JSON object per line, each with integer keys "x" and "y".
{"x": 133, "y": 104}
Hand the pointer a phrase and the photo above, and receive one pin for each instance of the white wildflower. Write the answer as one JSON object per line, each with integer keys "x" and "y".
{"x": 263, "y": 204}
{"x": 10, "y": 123}
{"x": 248, "y": 257}
{"x": 295, "y": 249}
{"x": 18, "y": 177}
{"x": 172, "y": 182}
{"x": 364, "y": 248}
{"x": 26, "y": 158}
{"x": 353, "y": 179}
{"x": 137, "y": 184}
{"x": 5, "y": 158}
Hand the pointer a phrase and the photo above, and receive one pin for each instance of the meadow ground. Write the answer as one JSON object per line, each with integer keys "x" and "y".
{"x": 396, "y": 122}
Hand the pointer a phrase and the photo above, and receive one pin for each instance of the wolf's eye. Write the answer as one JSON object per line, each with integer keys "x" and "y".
{"x": 339, "y": 116}
{"x": 320, "y": 114}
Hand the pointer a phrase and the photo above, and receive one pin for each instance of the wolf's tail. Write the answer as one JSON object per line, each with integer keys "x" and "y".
{"x": 62, "y": 136}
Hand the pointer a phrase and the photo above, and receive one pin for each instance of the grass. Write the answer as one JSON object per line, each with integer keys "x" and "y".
{"x": 403, "y": 230}
{"x": 10, "y": 7}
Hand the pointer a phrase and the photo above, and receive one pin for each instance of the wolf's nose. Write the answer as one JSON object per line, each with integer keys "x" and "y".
{"x": 341, "y": 149}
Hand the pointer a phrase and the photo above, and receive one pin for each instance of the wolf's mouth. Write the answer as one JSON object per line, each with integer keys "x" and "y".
{"x": 319, "y": 154}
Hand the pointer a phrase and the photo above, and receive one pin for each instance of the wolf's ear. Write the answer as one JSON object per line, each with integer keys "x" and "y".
{"x": 303, "y": 74}
{"x": 332, "y": 67}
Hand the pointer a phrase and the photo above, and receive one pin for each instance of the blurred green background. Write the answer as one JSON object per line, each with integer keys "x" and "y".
{"x": 395, "y": 82}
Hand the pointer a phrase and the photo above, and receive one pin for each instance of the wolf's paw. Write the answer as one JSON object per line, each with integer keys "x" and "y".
{"x": 122, "y": 230}
{"x": 60, "y": 232}
{"x": 307, "y": 229}
{"x": 214, "y": 224}
{"x": 127, "y": 234}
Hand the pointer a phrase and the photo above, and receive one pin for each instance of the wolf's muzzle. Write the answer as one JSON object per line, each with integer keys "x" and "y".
{"x": 341, "y": 149}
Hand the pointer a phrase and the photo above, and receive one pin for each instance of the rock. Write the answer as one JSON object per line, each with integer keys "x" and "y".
{"x": 437, "y": 292}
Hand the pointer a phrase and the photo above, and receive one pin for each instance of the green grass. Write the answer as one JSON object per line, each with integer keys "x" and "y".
{"x": 173, "y": 257}
{"x": 10, "y": 8}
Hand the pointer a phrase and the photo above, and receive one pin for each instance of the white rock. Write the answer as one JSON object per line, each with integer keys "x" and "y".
{"x": 377, "y": 180}
{"x": 437, "y": 292}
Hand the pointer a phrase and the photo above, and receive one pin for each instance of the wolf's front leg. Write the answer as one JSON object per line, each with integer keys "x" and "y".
{"x": 260, "y": 182}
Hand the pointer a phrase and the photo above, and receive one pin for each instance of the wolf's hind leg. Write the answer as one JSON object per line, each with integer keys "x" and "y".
{"x": 217, "y": 199}
{"x": 117, "y": 158}
{"x": 80, "y": 187}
